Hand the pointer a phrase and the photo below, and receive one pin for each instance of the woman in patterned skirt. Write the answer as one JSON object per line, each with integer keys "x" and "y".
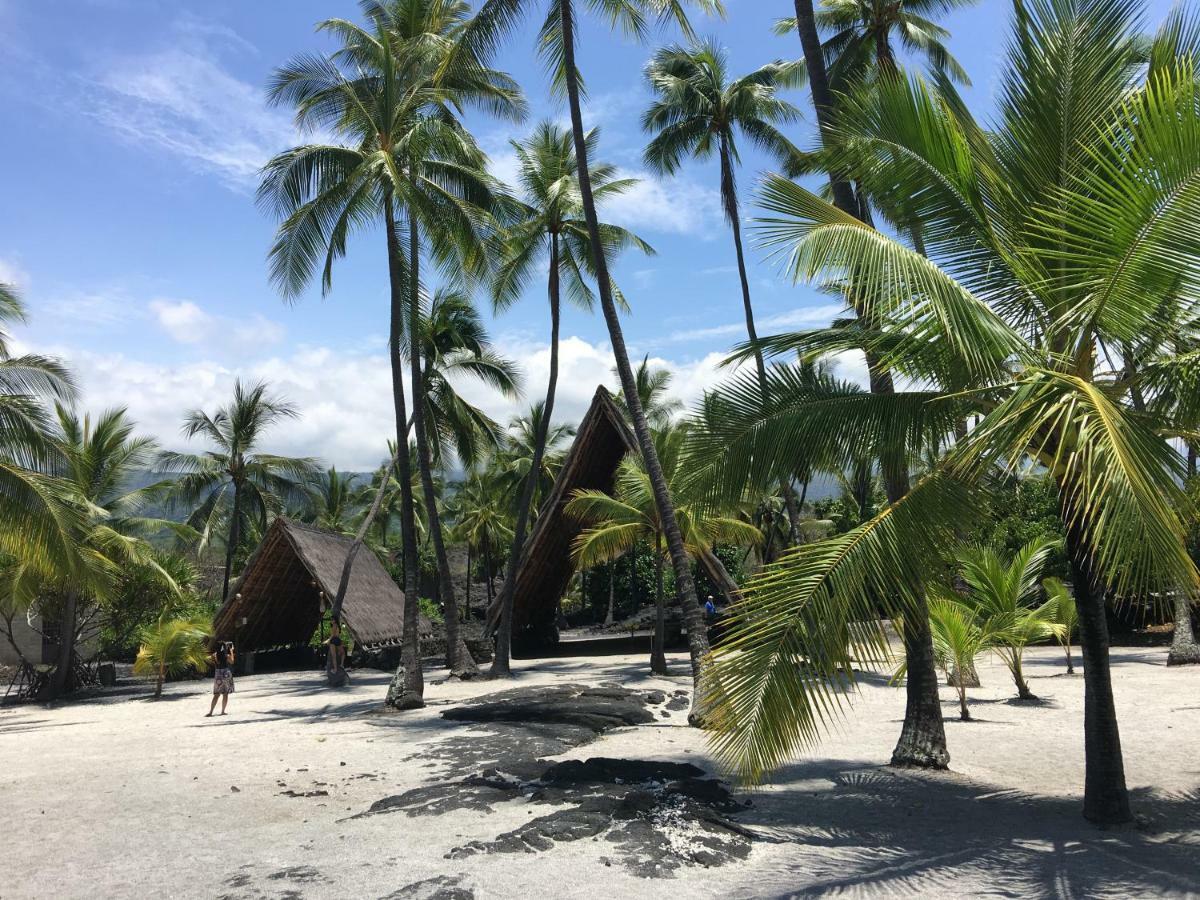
{"x": 223, "y": 658}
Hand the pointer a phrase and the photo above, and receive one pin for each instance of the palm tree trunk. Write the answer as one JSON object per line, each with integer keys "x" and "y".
{"x": 1191, "y": 460}
{"x": 359, "y": 537}
{"x": 458, "y": 657}
{"x": 1184, "y": 650}
{"x": 408, "y": 685}
{"x": 1105, "y": 798}
{"x": 692, "y": 614}
{"x": 962, "y": 702}
{"x": 501, "y": 665}
{"x": 1023, "y": 691}
{"x": 729, "y": 201}
{"x": 470, "y": 575}
{"x": 61, "y": 679}
{"x": 487, "y": 570}
{"x": 234, "y": 535}
{"x": 658, "y": 654}
{"x": 612, "y": 593}
{"x": 923, "y": 737}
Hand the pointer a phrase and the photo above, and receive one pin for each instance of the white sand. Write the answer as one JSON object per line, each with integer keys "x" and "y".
{"x": 124, "y": 797}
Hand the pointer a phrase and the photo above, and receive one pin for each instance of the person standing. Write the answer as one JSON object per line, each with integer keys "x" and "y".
{"x": 223, "y": 658}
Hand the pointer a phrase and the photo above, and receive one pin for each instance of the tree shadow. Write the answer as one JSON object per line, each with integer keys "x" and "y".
{"x": 876, "y": 829}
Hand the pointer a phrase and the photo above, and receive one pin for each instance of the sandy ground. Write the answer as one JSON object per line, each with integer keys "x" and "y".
{"x": 125, "y": 797}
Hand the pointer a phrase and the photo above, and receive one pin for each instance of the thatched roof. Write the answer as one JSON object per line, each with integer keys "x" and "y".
{"x": 601, "y": 442}
{"x": 281, "y": 586}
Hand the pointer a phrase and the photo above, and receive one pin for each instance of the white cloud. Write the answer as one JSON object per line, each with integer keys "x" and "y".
{"x": 187, "y": 323}
{"x": 344, "y": 397}
{"x": 183, "y": 100}
{"x": 12, "y": 273}
{"x": 677, "y": 206}
{"x": 794, "y": 318}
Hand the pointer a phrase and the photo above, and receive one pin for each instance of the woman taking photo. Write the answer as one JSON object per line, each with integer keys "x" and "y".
{"x": 223, "y": 658}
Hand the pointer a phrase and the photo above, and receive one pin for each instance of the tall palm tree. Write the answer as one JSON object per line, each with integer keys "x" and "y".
{"x": 492, "y": 23}
{"x": 548, "y": 224}
{"x": 864, "y": 32}
{"x": 922, "y": 741}
{"x": 697, "y": 111}
{"x": 391, "y": 93}
{"x": 234, "y": 481}
{"x": 1067, "y": 228}
{"x": 620, "y": 521}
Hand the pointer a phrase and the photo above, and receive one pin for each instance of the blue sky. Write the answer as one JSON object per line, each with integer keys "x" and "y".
{"x": 134, "y": 130}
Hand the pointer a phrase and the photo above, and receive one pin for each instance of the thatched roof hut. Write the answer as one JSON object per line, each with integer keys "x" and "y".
{"x": 601, "y": 442}
{"x": 277, "y": 601}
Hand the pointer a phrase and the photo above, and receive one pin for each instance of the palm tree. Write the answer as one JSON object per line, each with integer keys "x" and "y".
{"x": 620, "y": 521}
{"x": 334, "y": 499}
{"x": 548, "y": 223}
{"x": 651, "y": 386}
{"x": 481, "y": 523}
{"x": 1067, "y": 228}
{"x": 958, "y": 638}
{"x": 1060, "y": 609}
{"x": 495, "y": 20}
{"x": 406, "y": 156}
{"x": 519, "y": 460}
{"x": 1000, "y": 594}
{"x": 170, "y": 647}
{"x": 697, "y": 112}
{"x": 99, "y": 460}
{"x": 456, "y": 345}
{"x": 235, "y": 482}
{"x": 864, "y": 31}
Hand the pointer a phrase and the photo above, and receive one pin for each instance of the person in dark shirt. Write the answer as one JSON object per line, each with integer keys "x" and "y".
{"x": 223, "y": 659}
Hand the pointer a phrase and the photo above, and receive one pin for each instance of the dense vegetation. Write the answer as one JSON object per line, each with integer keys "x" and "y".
{"x": 1023, "y": 290}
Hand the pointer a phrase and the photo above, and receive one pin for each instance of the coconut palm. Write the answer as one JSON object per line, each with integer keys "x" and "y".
{"x": 391, "y": 93}
{"x": 619, "y": 522}
{"x": 335, "y": 499}
{"x": 1060, "y": 609}
{"x": 697, "y": 111}
{"x": 456, "y": 346}
{"x": 481, "y": 523}
{"x": 171, "y": 647}
{"x": 651, "y": 385}
{"x": 235, "y": 482}
{"x": 1068, "y": 227}
{"x": 547, "y": 224}
{"x": 518, "y": 457}
{"x": 495, "y": 20}
{"x": 1001, "y": 592}
{"x": 958, "y": 638}
{"x": 864, "y": 33}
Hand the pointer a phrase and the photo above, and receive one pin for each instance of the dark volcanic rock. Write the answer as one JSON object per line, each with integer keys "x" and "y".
{"x": 660, "y": 815}
{"x": 443, "y": 887}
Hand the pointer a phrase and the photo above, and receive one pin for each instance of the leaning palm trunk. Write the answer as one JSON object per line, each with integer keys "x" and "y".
{"x": 501, "y": 663}
{"x": 458, "y": 658}
{"x": 693, "y": 617}
{"x": 658, "y": 654}
{"x": 360, "y": 536}
{"x": 1105, "y": 798}
{"x": 407, "y": 690}
{"x": 922, "y": 740}
{"x": 1184, "y": 649}
{"x": 234, "y": 535}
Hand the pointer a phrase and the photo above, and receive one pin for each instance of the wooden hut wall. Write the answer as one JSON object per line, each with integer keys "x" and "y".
{"x": 602, "y": 441}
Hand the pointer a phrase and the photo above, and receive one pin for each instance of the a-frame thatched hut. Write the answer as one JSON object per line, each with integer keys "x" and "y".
{"x": 601, "y": 442}
{"x": 277, "y": 601}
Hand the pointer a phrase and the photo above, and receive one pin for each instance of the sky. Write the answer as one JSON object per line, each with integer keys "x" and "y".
{"x": 134, "y": 131}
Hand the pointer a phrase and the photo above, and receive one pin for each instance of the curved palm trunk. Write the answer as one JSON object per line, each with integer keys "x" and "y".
{"x": 729, "y": 201}
{"x": 658, "y": 652}
{"x": 1184, "y": 649}
{"x": 458, "y": 657}
{"x": 501, "y": 664}
{"x": 1018, "y": 674}
{"x": 922, "y": 740}
{"x": 408, "y": 685}
{"x": 692, "y": 614}
{"x": 1105, "y": 798}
